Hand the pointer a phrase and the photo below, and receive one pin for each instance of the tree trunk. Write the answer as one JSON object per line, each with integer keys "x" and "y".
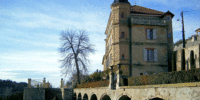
{"x": 77, "y": 68}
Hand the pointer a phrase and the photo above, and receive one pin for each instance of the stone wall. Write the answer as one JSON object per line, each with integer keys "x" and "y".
{"x": 195, "y": 49}
{"x": 47, "y": 94}
{"x": 67, "y": 93}
{"x": 34, "y": 94}
{"x": 181, "y": 91}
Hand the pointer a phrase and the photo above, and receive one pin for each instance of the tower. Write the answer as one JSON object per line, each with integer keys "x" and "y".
{"x": 117, "y": 32}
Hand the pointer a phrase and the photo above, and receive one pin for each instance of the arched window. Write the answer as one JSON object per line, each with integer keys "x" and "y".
{"x": 183, "y": 59}
{"x": 192, "y": 61}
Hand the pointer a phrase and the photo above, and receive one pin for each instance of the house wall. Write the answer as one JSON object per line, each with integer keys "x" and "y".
{"x": 121, "y": 46}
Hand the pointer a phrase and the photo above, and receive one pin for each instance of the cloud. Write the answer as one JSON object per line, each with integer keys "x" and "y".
{"x": 22, "y": 75}
{"x": 91, "y": 20}
{"x": 30, "y": 59}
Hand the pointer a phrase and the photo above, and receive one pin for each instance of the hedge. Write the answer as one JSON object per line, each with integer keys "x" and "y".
{"x": 93, "y": 84}
{"x": 192, "y": 75}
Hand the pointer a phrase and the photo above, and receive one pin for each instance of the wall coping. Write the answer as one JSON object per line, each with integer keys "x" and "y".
{"x": 93, "y": 88}
{"x": 189, "y": 84}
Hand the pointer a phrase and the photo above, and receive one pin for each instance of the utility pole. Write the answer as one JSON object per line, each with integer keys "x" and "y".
{"x": 183, "y": 30}
{"x": 183, "y": 51}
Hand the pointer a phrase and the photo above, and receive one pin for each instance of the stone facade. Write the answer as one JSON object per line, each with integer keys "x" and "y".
{"x": 139, "y": 39}
{"x": 192, "y": 53}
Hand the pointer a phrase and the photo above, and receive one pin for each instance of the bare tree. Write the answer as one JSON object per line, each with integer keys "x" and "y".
{"x": 75, "y": 50}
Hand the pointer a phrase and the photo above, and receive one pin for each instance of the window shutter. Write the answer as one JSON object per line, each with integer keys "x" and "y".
{"x": 154, "y": 33}
{"x": 145, "y": 54}
{"x": 155, "y": 55}
{"x": 148, "y": 33}
{"x": 124, "y": 35}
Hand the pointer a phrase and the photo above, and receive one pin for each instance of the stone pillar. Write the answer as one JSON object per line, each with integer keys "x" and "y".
{"x": 61, "y": 83}
{"x": 118, "y": 76}
{"x": 29, "y": 83}
{"x": 111, "y": 74}
{"x": 63, "y": 93}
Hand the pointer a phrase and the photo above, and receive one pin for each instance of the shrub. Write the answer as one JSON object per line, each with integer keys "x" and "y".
{"x": 192, "y": 75}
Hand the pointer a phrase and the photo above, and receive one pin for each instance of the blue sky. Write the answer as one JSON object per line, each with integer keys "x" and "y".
{"x": 30, "y": 32}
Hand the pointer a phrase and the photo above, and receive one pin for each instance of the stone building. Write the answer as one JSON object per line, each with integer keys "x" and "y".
{"x": 192, "y": 52}
{"x": 138, "y": 39}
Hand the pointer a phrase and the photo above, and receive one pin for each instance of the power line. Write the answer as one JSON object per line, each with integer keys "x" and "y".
{"x": 192, "y": 10}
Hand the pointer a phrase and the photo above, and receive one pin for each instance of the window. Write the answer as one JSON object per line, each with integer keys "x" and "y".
{"x": 110, "y": 59}
{"x": 195, "y": 38}
{"x": 169, "y": 35}
{"x": 122, "y": 15}
{"x": 122, "y": 56}
{"x": 122, "y": 35}
{"x": 151, "y": 34}
{"x": 168, "y": 18}
{"x": 107, "y": 64}
{"x": 150, "y": 54}
{"x": 145, "y": 73}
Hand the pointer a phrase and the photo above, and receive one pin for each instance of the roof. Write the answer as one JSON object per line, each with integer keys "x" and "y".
{"x": 168, "y": 12}
{"x": 142, "y": 10}
{"x": 197, "y": 30}
{"x": 121, "y": 1}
